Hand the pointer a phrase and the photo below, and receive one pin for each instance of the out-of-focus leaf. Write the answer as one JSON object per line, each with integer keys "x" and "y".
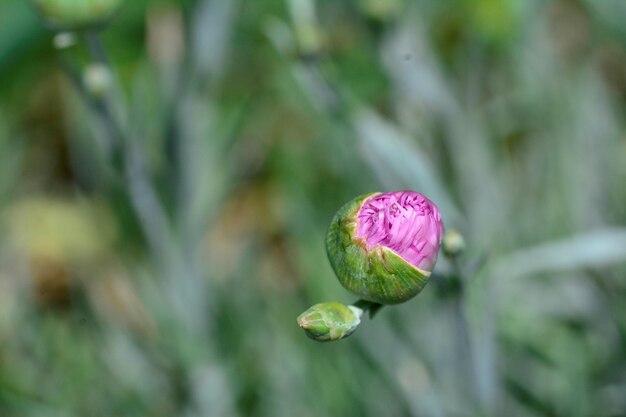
{"x": 595, "y": 249}
{"x": 399, "y": 163}
{"x": 19, "y": 29}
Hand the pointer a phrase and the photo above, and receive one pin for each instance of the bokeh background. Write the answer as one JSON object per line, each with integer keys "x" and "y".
{"x": 161, "y": 229}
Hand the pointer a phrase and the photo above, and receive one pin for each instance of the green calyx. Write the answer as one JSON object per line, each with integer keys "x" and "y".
{"x": 326, "y": 322}
{"x": 377, "y": 274}
{"x": 76, "y": 14}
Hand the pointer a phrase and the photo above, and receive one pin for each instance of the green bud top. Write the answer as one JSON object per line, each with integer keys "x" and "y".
{"x": 76, "y": 14}
{"x": 64, "y": 40}
{"x": 326, "y": 322}
{"x": 97, "y": 79}
{"x": 453, "y": 243}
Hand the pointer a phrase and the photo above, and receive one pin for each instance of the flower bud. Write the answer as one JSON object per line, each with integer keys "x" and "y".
{"x": 383, "y": 10}
{"x": 64, "y": 40}
{"x": 453, "y": 243}
{"x": 384, "y": 246}
{"x": 76, "y": 14}
{"x": 97, "y": 79}
{"x": 326, "y": 322}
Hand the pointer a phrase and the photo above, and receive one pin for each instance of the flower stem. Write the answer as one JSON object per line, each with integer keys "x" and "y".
{"x": 122, "y": 149}
{"x": 463, "y": 331}
{"x": 370, "y": 306}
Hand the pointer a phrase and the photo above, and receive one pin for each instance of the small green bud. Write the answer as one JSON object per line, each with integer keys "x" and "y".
{"x": 453, "y": 243}
{"x": 64, "y": 40}
{"x": 97, "y": 79}
{"x": 383, "y": 10}
{"x": 76, "y": 14}
{"x": 326, "y": 322}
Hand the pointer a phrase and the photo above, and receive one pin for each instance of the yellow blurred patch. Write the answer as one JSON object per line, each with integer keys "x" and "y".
{"x": 60, "y": 230}
{"x": 495, "y": 20}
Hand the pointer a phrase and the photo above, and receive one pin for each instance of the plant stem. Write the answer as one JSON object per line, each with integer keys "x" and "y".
{"x": 466, "y": 353}
{"x": 126, "y": 155}
{"x": 370, "y": 306}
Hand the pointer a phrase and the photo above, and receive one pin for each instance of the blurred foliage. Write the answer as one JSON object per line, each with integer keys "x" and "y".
{"x": 161, "y": 232}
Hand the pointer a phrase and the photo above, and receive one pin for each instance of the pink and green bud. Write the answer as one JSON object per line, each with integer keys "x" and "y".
{"x": 76, "y": 14}
{"x": 384, "y": 246}
{"x": 326, "y": 322}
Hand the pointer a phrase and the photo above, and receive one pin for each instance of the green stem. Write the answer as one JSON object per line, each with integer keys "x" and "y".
{"x": 96, "y": 48}
{"x": 128, "y": 154}
{"x": 463, "y": 329}
{"x": 370, "y": 306}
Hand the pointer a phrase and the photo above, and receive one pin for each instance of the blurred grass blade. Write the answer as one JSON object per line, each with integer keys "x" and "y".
{"x": 398, "y": 163}
{"x": 593, "y": 249}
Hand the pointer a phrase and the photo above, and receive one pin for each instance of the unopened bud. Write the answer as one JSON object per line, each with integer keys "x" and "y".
{"x": 76, "y": 14}
{"x": 384, "y": 246}
{"x": 453, "y": 243}
{"x": 97, "y": 79}
{"x": 326, "y": 322}
{"x": 382, "y": 10}
{"x": 64, "y": 40}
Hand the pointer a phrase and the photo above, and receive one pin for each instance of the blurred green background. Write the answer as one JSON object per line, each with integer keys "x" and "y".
{"x": 161, "y": 229}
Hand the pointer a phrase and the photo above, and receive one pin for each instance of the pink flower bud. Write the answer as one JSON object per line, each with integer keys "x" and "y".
{"x": 405, "y": 222}
{"x": 383, "y": 246}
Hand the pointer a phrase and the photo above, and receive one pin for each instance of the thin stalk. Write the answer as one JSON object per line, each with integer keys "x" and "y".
{"x": 368, "y": 306}
{"x": 127, "y": 156}
{"x": 111, "y": 138}
{"x": 389, "y": 380}
{"x": 96, "y": 48}
{"x": 465, "y": 349}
